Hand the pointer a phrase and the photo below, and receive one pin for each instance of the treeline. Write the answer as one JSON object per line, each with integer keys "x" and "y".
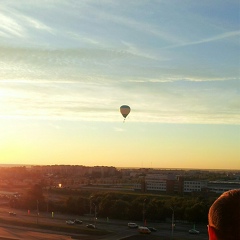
{"x": 120, "y": 205}
{"x": 139, "y": 207}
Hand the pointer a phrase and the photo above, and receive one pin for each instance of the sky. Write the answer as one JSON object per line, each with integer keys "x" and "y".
{"x": 67, "y": 66}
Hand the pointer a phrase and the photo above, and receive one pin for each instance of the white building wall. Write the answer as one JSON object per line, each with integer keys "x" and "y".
{"x": 159, "y": 185}
{"x": 194, "y": 186}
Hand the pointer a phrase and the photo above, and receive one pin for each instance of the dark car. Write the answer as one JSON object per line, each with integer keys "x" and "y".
{"x": 193, "y": 231}
{"x": 77, "y": 221}
{"x": 91, "y": 226}
{"x": 12, "y": 214}
{"x": 152, "y": 229}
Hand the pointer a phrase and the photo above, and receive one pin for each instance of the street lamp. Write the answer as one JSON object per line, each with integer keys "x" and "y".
{"x": 144, "y": 202}
{"x": 95, "y": 213}
{"x": 37, "y": 211}
{"x": 90, "y": 212}
{"x": 172, "y": 220}
{"x": 47, "y": 199}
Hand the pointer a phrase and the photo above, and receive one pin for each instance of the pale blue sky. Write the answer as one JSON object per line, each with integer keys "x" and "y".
{"x": 74, "y": 63}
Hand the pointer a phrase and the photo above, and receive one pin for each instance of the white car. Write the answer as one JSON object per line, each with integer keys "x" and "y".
{"x": 132, "y": 225}
{"x": 70, "y": 222}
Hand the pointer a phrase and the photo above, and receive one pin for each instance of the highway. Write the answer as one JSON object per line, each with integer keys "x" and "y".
{"x": 118, "y": 229}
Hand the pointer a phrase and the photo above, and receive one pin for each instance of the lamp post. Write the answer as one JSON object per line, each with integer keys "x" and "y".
{"x": 47, "y": 199}
{"x": 144, "y": 210}
{"x": 95, "y": 213}
{"x": 172, "y": 221}
{"x": 37, "y": 212}
{"x": 90, "y": 211}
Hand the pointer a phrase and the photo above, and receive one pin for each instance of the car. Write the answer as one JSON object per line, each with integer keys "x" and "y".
{"x": 77, "y": 221}
{"x": 91, "y": 226}
{"x": 152, "y": 229}
{"x": 132, "y": 225}
{"x": 12, "y": 214}
{"x": 144, "y": 230}
{"x": 193, "y": 231}
{"x": 70, "y": 222}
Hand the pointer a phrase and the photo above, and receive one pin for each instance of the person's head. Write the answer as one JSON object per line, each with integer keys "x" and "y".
{"x": 224, "y": 217}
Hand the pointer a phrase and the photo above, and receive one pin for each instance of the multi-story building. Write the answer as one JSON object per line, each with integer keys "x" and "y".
{"x": 168, "y": 183}
{"x": 222, "y": 186}
{"x": 194, "y": 186}
{"x": 171, "y": 183}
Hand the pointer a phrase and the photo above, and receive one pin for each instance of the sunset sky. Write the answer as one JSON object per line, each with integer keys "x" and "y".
{"x": 67, "y": 66}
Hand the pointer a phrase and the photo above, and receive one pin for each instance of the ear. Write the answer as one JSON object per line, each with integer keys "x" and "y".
{"x": 212, "y": 233}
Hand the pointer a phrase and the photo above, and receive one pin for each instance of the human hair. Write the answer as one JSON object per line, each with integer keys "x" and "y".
{"x": 224, "y": 216}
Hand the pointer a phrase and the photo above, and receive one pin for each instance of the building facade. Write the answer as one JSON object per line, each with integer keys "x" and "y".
{"x": 173, "y": 184}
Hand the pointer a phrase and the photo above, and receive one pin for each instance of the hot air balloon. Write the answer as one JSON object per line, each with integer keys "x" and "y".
{"x": 125, "y": 110}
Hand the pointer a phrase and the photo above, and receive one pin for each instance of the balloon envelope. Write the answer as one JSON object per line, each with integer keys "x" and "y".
{"x": 125, "y": 110}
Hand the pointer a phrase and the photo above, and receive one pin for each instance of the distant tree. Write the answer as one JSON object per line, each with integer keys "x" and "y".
{"x": 156, "y": 210}
{"x": 104, "y": 205}
{"x": 34, "y": 199}
{"x": 82, "y": 205}
{"x": 136, "y": 209}
{"x": 36, "y": 192}
{"x": 77, "y": 205}
{"x": 119, "y": 209}
{"x": 71, "y": 205}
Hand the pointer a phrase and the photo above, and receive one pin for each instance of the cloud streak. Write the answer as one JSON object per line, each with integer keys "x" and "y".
{"x": 207, "y": 40}
{"x": 187, "y": 103}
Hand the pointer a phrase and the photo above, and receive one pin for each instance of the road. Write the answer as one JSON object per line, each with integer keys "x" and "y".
{"x": 118, "y": 229}
{"x": 11, "y": 233}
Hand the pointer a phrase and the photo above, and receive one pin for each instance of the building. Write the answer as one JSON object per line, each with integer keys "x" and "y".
{"x": 194, "y": 186}
{"x": 222, "y": 186}
{"x": 162, "y": 183}
{"x": 174, "y": 184}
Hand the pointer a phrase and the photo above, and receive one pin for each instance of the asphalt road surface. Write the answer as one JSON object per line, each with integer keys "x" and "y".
{"x": 118, "y": 229}
{"x": 12, "y": 233}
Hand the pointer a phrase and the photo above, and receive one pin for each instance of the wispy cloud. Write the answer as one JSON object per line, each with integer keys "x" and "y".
{"x": 82, "y": 60}
{"x": 207, "y": 40}
{"x": 175, "y": 102}
{"x": 10, "y": 27}
{"x": 16, "y": 24}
